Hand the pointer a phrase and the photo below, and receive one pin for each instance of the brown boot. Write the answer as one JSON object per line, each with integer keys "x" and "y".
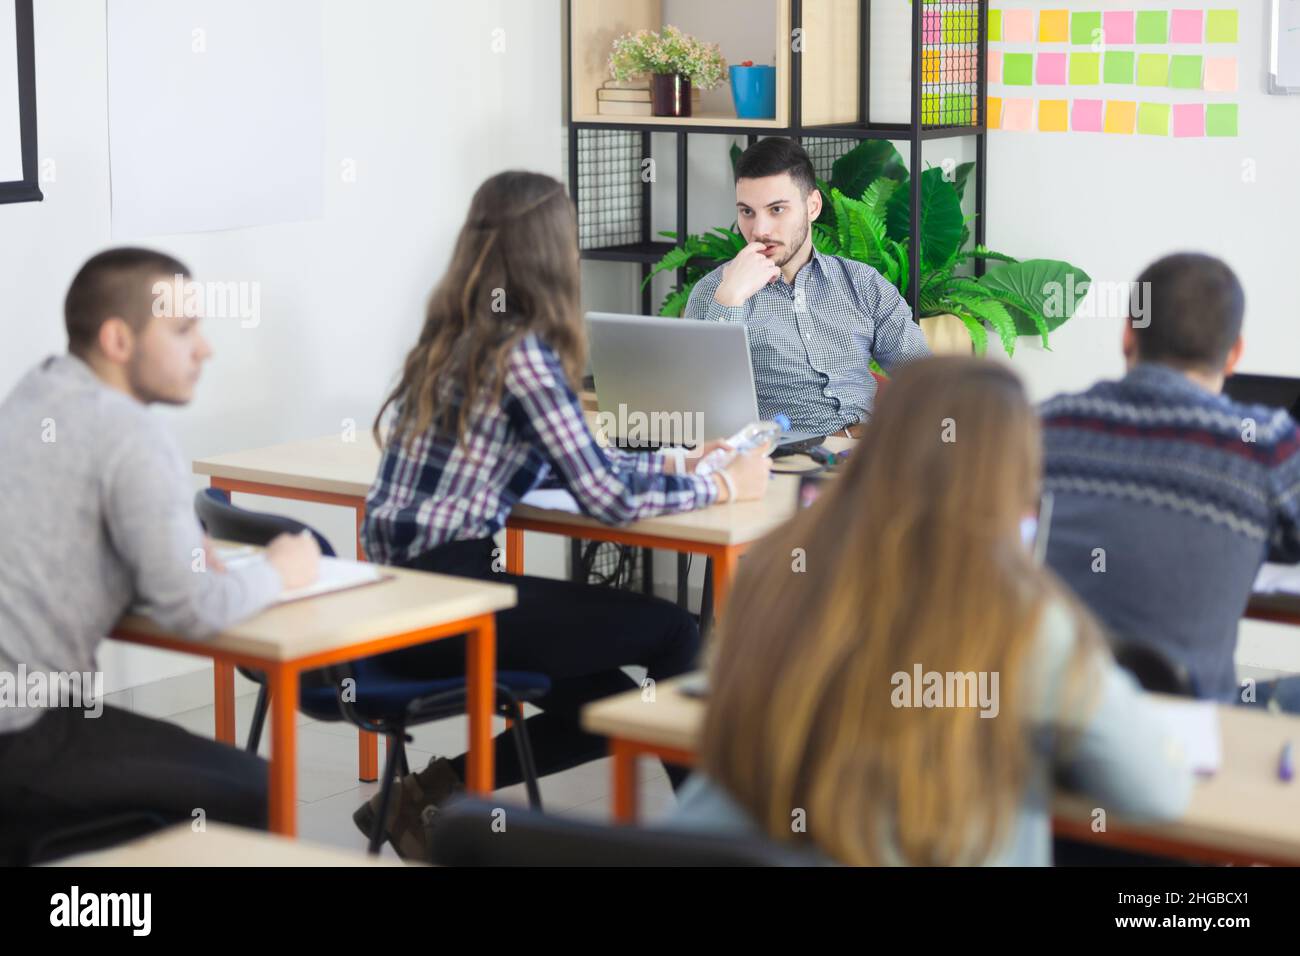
{"x": 411, "y": 796}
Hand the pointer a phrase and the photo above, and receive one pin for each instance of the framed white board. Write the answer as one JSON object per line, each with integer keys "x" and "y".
{"x": 17, "y": 103}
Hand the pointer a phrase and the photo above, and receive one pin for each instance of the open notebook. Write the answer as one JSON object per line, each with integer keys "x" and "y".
{"x": 336, "y": 574}
{"x": 1278, "y": 578}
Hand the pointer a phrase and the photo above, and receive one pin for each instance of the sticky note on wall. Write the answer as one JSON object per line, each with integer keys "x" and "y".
{"x": 1018, "y": 69}
{"x": 1017, "y": 114}
{"x": 1221, "y": 74}
{"x": 1221, "y": 26}
{"x": 1086, "y": 116}
{"x": 1153, "y": 119}
{"x": 1189, "y": 120}
{"x": 1187, "y": 26}
{"x": 1117, "y": 27}
{"x": 1085, "y": 68}
{"x": 1185, "y": 72}
{"x": 1152, "y": 26}
{"x": 1051, "y": 69}
{"x": 995, "y": 66}
{"x": 1221, "y": 119}
{"x": 1153, "y": 69}
{"x": 1121, "y": 117}
{"x": 1053, "y": 116}
{"x": 995, "y": 26}
{"x": 1119, "y": 65}
{"x": 961, "y": 26}
{"x": 1085, "y": 28}
{"x": 1018, "y": 26}
{"x": 1054, "y": 26}
{"x": 993, "y": 112}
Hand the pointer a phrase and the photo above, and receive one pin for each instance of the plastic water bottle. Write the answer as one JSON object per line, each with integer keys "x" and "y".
{"x": 747, "y": 439}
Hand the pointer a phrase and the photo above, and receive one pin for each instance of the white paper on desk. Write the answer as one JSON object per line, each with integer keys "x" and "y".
{"x": 552, "y": 499}
{"x": 1194, "y": 724}
{"x": 1273, "y": 578}
{"x": 336, "y": 574}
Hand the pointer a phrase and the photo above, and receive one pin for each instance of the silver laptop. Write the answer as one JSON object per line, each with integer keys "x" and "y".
{"x": 673, "y": 381}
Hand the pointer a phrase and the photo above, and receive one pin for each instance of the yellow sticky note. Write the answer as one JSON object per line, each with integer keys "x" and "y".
{"x": 993, "y": 116}
{"x": 1054, "y": 26}
{"x": 929, "y": 66}
{"x": 1121, "y": 117}
{"x": 1053, "y": 116}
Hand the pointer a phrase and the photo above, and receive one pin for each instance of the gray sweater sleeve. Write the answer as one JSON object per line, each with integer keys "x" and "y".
{"x": 153, "y": 528}
{"x": 1117, "y": 752}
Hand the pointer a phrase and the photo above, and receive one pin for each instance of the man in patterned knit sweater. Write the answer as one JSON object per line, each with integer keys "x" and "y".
{"x": 1169, "y": 496}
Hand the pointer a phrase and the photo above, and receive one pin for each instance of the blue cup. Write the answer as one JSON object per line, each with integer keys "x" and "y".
{"x": 753, "y": 90}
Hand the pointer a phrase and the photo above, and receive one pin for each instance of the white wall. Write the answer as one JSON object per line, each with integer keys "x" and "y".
{"x": 417, "y": 98}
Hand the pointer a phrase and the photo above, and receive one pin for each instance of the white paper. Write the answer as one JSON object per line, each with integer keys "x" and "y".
{"x": 1274, "y": 578}
{"x": 1194, "y": 724}
{"x": 336, "y": 574}
{"x": 552, "y": 499}
{"x": 216, "y": 114}
{"x": 11, "y": 134}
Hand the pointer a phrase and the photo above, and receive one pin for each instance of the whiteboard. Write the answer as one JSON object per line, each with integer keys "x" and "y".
{"x": 11, "y": 138}
{"x": 1284, "y": 54}
{"x": 216, "y": 114}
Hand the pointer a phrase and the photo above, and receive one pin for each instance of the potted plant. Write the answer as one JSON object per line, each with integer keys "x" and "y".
{"x": 675, "y": 62}
{"x": 867, "y": 214}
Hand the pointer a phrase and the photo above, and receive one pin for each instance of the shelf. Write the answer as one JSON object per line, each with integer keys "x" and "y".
{"x": 632, "y": 252}
{"x": 716, "y": 120}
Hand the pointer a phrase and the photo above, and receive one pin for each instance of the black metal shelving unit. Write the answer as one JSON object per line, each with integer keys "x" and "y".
{"x": 645, "y": 250}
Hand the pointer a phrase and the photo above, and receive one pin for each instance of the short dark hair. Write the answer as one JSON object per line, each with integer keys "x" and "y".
{"x": 1194, "y": 306}
{"x": 116, "y": 282}
{"x": 776, "y": 155}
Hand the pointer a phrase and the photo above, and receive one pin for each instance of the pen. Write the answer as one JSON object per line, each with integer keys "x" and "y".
{"x": 1286, "y": 764}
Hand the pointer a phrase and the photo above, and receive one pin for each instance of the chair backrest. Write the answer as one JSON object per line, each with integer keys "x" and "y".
{"x": 469, "y": 833}
{"x": 1153, "y": 670}
{"x": 231, "y": 523}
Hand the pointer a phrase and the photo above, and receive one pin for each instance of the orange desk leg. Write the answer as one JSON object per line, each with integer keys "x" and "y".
{"x": 367, "y": 743}
{"x": 625, "y": 782}
{"x": 480, "y": 668}
{"x": 724, "y": 573}
{"x": 514, "y": 551}
{"x": 283, "y": 817}
{"x": 223, "y": 699}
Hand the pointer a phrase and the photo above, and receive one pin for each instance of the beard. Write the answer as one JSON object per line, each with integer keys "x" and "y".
{"x": 793, "y": 249}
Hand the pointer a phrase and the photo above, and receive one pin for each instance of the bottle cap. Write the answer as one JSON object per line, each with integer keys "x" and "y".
{"x": 781, "y": 419}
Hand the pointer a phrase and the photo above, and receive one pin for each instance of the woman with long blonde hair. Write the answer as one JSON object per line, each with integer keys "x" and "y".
{"x": 896, "y": 680}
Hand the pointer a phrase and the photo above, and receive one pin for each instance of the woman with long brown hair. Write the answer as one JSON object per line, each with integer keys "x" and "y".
{"x": 896, "y": 680}
{"x": 485, "y": 409}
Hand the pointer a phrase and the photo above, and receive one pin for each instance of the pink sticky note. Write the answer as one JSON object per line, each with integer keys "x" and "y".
{"x": 1018, "y": 26}
{"x": 931, "y": 26}
{"x": 1085, "y": 116}
{"x": 1051, "y": 68}
{"x": 1188, "y": 26}
{"x": 1189, "y": 119}
{"x": 995, "y": 66}
{"x": 1017, "y": 114}
{"x": 958, "y": 67}
{"x": 1221, "y": 74}
{"x": 1117, "y": 27}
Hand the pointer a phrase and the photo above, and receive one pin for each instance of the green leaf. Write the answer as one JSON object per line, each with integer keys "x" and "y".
{"x": 735, "y": 158}
{"x": 978, "y": 334}
{"x": 996, "y": 314}
{"x": 960, "y": 175}
{"x": 941, "y": 217}
{"x": 1047, "y": 291}
{"x": 675, "y": 302}
{"x": 870, "y": 160}
{"x": 877, "y": 196}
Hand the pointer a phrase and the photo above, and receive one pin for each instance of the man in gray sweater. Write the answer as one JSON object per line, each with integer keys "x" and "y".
{"x": 95, "y": 503}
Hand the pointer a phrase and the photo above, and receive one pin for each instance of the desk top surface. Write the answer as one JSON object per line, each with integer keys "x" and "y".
{"x": 405, "y": 601}
{"x": 1243, "y": 808}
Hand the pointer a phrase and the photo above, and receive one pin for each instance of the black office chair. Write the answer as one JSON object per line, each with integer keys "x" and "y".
{"x": 469, "y": 833}
{"x": 383, "y": 702}
{"x": 1153, "y": 670}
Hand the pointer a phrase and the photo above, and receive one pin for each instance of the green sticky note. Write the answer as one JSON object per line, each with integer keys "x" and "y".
{"x": 1153, "y": 119}
{"x": 995, "y": 26}
{"x": 1153, "y": 26}
{"x": 1153, "y": 69}
{"x": 1221, "y": 26}
{"x": 1221, "y": 119}
{"x": 958, "y": 108}
{"x": 929, "y": 107}
{"x": 1085, "y": 28}
{"x": 1085, "y": 69}
{"x": 1018, "y": 69}
{"x": 1185, "y": 72}
{"x": 1119, "y": 66}
{"x": 961, "y": 26}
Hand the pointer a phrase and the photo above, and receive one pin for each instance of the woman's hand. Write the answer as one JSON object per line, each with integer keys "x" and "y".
{"x": 696, "y": 455}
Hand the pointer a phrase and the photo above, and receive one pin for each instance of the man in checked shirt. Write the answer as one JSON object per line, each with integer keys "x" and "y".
{"x": 815, "y": 321}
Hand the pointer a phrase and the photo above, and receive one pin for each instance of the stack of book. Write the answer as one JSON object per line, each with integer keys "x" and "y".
{"x": 630, "y": 98}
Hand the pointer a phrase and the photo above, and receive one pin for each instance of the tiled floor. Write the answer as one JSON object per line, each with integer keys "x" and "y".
{"x": 328, "y": 789}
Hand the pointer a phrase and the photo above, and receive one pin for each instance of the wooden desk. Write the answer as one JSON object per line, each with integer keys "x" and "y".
{"x": 220, "y": 845}
{"x": 1241, "y": 815}
{"x": 412, "y": 607}
{"x": 333, "y": 471}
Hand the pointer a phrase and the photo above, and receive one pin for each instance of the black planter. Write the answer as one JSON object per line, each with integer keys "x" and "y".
{"x": 670, "y": 94}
